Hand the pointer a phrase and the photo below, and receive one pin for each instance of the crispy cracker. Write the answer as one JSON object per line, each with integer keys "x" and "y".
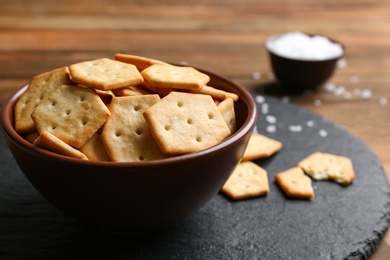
{"x": 325, "y": 166}
{"x": 71, "y": 113}
{"x": 126, "y": 135}
{"x": 105, "y": 74}
{"x": 295, "y": 183}
{"x": 51, "y": 143}
{"x": 184, "y": 123}
{"x": 163, "y": 76}
{"x": 132, "y": 91}
{"x": 40, "y": 86}
{"x": 216, "y": 93}
{"x": 247, "y": 180}
{"x": 226, "y": 107}
{"x": 31, "y": 137}
{"x": 94, "y": 149}
{"x": 261, "y": 146}
{"x": 140, "y": 62}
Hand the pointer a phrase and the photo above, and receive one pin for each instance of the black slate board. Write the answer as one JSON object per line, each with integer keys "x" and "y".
{"x": 339, "y": 223}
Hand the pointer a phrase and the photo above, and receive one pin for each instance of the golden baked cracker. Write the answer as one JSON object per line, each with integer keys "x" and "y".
{"x": 31, "y": 137}
{"x": 295, "y": 183}
{"x": 105, "y": 74}
{"x": 94, "y": 149}
{"x": 226, "y": 107}
{"x": 140, "y": 62}
{"x": 261, "y": 146}
{"x": 51, "y": 143}
{"x": 325, "y": 166}
{"x": 126, "y": 135}
{"x": 176, "y": 77}
{"x": 161, "y": 91}
{"x": 71, "y": 113}
{"x": 132, "y": 91}
{"x": 247, "y": 180}
{"x": 215, "y": 93}
{"x": 39, "y": 86}
{"x": 184, "y": 123}
{"x": 105, "y": 95}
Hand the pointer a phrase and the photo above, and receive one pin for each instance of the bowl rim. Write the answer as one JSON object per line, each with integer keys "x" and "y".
{"x": 275, "y": 36}
{"x": 248, "y": 125}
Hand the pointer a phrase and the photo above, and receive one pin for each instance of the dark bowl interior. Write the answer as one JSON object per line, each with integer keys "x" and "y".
{"x": 133, "y": 197}
{"x": 302, "y": 74}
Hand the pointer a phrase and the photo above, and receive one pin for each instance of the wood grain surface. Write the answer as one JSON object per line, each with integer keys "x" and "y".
{"x": 225, "y": 36}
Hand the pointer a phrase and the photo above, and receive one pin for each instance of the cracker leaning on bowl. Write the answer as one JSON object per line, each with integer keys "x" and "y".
{"x": 113, "y": 110}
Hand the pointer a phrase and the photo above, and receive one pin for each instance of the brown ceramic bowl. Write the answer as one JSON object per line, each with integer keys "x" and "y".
{"x": 300, "y": 74}
{"x": 133, "y": 197}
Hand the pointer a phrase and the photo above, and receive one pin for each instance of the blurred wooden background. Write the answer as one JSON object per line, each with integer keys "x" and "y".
{"x": 224, "y": 36}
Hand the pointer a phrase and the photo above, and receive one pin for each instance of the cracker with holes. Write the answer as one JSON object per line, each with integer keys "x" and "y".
{"x": 185, "y": 123}
{"x": 261, "y": 146}
{"x": 39, "y": 86}
{"x": 126, "y": 135}
{"x": 71, "y": 113}
{"x": 164, "y": 76}
{"x": 105, "y": 74}
{"x": 247, "y": 180}
{"x": 295, "y": 183}
{"x": 226, "y": 107}
{"x": 325, "y": 166}
{"x": 140, "y": 62}
{"x": 51, "y": 143}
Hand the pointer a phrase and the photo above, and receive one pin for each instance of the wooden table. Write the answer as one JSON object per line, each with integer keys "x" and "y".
{"x": 224, "y": 36}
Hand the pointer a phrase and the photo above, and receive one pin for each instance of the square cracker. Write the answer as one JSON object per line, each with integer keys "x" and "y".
{"x": 325, "y": 166}
{"x": 295, "y": 183}
{"x": 261, "y": 146}
{"x": 184, "y": 123}
{"x": 126, "y": 135}
{"x": 94, "y": 149}
{"x": 105, "y": 74}
{"x": 49, "y": 142}
{"x": 163, "y": 76}
{"x": 247, "y": 180}
{"x": 140, "y": 62}
{"x": 73, "y": 114}
{"x": 39, "y": 86}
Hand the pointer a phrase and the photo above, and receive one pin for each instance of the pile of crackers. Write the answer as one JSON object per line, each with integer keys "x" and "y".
{"x": 125, "y": 109}
{"x": 250, "y": 180}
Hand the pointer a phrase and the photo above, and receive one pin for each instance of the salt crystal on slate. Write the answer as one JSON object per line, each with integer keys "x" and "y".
{"x": 323, "y": 133}
{"x": 259, "y": 99}
{"x": 310, "y": 123}
{"x": 270, "y": 119}
{"x": 295, "y": 128}
{"x": 286, "y": 99}
{"x": 264, "y": 108}
{"x": 271, "y": 129}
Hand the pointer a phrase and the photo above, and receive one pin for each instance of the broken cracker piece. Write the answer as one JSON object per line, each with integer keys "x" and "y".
{"x": 295, "y": 183}
{"x": 247, "y": 180}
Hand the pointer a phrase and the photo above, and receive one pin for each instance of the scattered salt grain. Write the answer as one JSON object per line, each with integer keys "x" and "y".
{"x": 317, "y": 102}
{"x": 298, "y": 45}
{"x": 347, "y": 95}
{"x": 354, "y": 79}
{"x": 270, "y": 119}
{"x": 264, "y": 108}
{"x": 256, "y": 75}
{"x": 323, "y": 133}
{"x": 310, "y": 123}
{"x": 341, "y": 63}
{"x": 339, "y": 91}
{"x": 366, "y": 94}
{"x": 330, "y": 87}
{"x": 286, "y": 99}
{"x": 383, "y": 101}
{"x": 259, "y": 99}
{"x": 271, "y": 129}
{"x": 295, "y": 128}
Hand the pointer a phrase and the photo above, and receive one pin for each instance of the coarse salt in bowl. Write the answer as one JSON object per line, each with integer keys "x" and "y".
{"x": 301, "y": 60}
